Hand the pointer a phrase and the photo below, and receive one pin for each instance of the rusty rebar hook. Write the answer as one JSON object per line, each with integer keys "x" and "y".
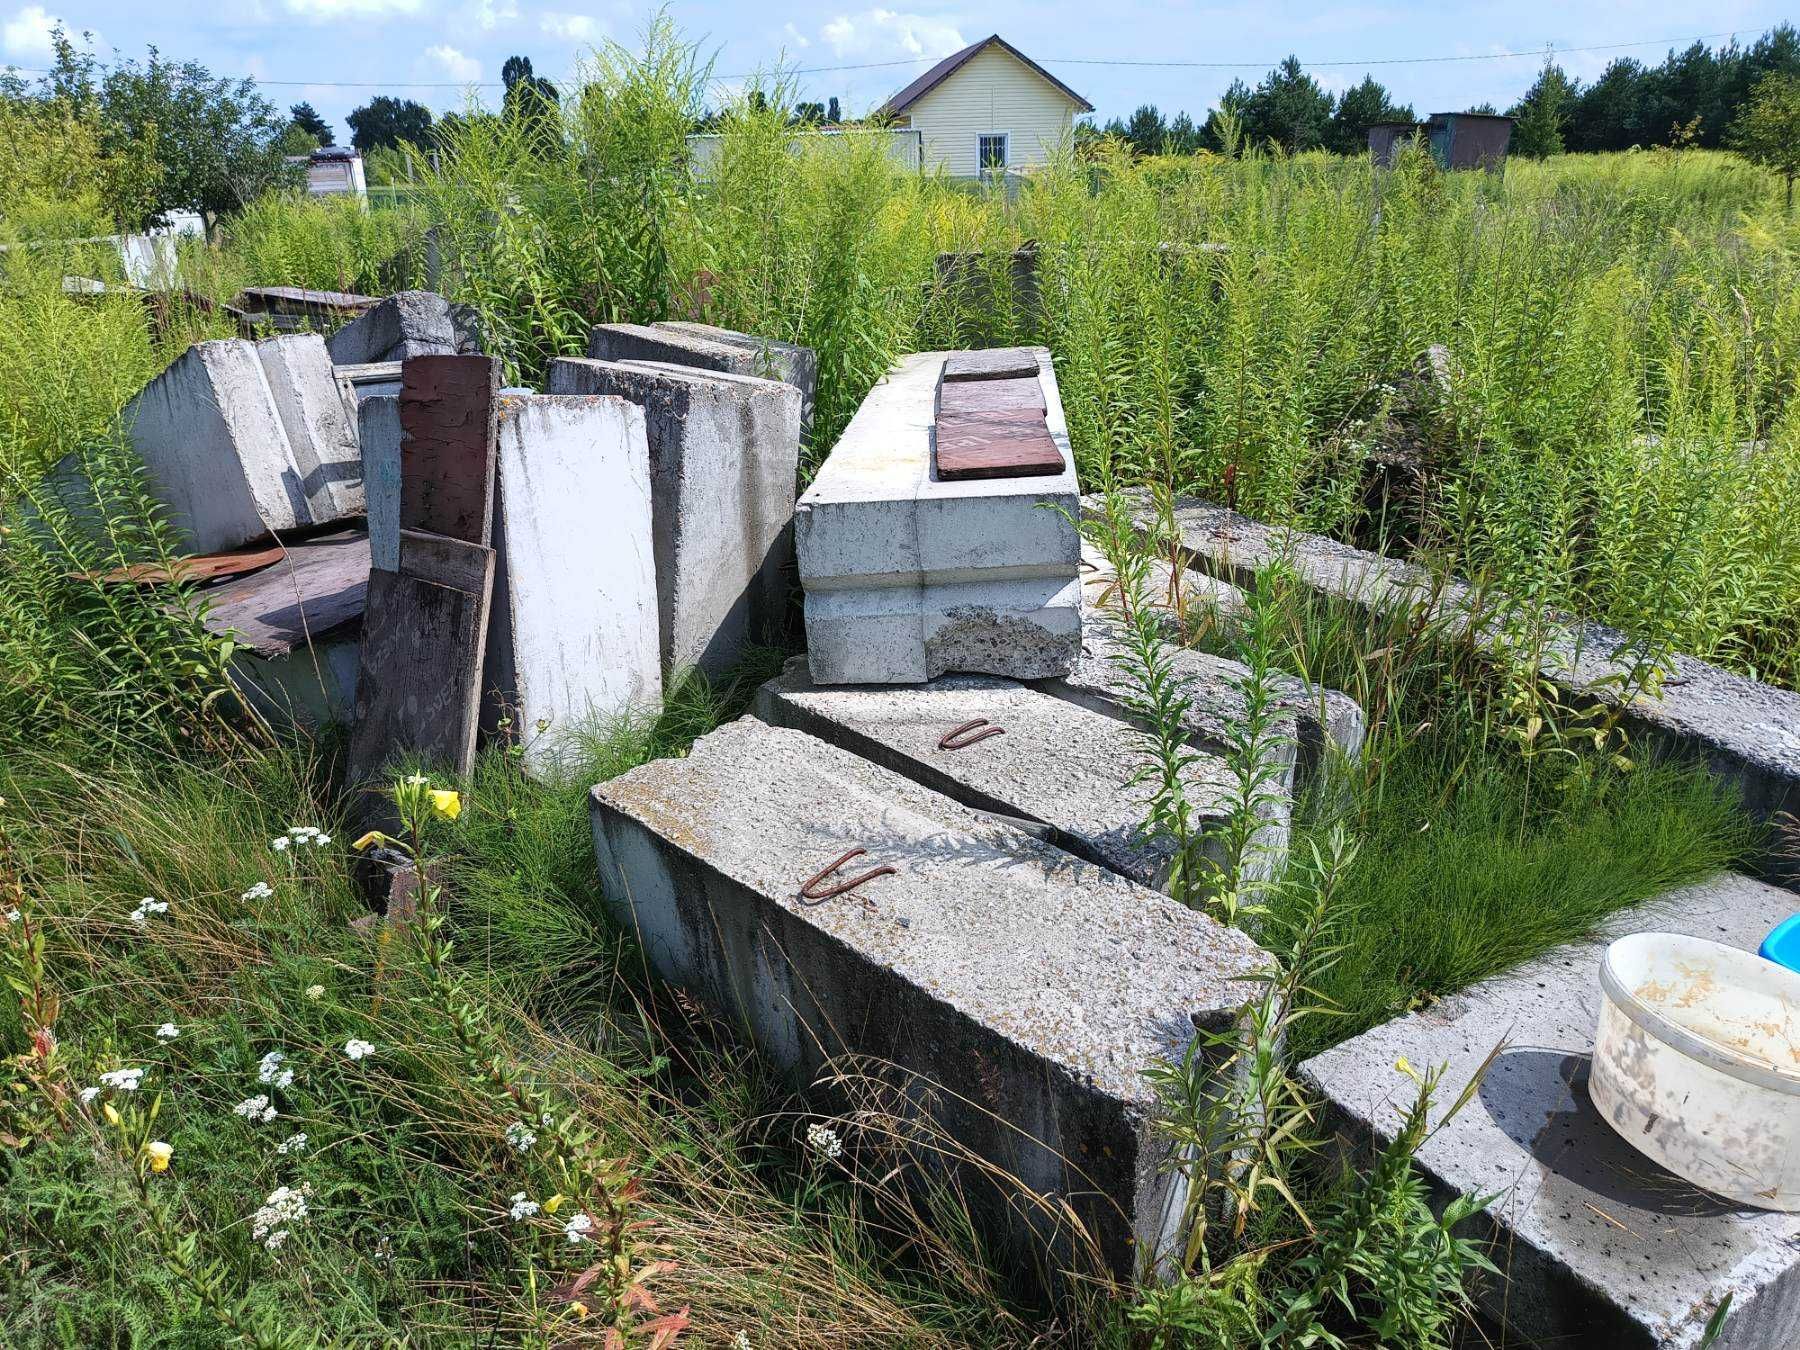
{"x": 949, "y": 741}
{"x": 808, "y": 894}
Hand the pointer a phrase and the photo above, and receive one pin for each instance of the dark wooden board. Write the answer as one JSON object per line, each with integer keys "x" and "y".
{"x": 990, "y": 447}
{"x": 994, "y": 363}
{"x": 446, "y": 562}
{"x": 318, "y": 586}
{"x": 449, "y": 406}
{"x": 419, "y": 682}
{"x": 991, "y": 396}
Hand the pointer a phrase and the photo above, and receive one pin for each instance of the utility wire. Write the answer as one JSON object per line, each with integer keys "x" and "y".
{"x": 1550, "y": 49}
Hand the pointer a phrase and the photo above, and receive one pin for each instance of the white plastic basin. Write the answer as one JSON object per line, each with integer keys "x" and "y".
{"x": 1697, "y": 1063}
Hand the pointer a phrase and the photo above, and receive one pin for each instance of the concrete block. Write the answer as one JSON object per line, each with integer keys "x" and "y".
{"x": 708, "y": 348}
{"x": 1017, "y": 992}
{"x": 378, "y": 431}
{"x": 724, "y": 456}
{"x": 1064, "y": 771}
{"x": 908, "y": 577}
{"x": 404, "y": 325}
{"x": 574, "y": 635}
{"x": 215, "y": 446}
{"x": 1597, "y": 1244}
{"x": 320, "y": 432}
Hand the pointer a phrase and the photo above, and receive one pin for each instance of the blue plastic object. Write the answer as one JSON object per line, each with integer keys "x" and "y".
{"x": 1782, "y": 946}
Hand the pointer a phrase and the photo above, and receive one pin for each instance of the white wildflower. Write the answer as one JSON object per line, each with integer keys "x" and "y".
{"x": 315, "y": 992}
{"x": 261, "y": 891}
{"x": 284, "y": 1210}
{"x": 168, "y": 1031}
{"x": 270, "y": 1072}
{"x": 578, "y": 1227}
{"x": 88, "y": 1094}
{"x": 740, "y": 1340}
{"x": 146, "y": 907}
{"x": 13, "y": 916}
{"x": 321, "y": 839}
{"x": 823, "y": 1140}
{"x": 294, "y": 1143}
{"x": 522, "y": 1208}
{"x": 358, "y": 1049}
{"x": 255, "y": 1109}
{"x": 520, "y": 1135}
{"x": 279, "y": 845}
{"x": 123, "y": 1080}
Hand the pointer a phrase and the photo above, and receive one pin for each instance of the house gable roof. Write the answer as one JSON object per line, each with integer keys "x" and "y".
{"x": 944, "y": 69}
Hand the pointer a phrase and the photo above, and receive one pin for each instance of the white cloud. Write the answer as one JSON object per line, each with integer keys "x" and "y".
{"x": 572, "y": 27}
{"x": 491, "y": 14}
{"x": 457, "y": 66}
{"x": 883, "y": 33}
{"x": 795, "y": 36}
{"x": 352, "y": 9}
{"x": 27, "y": 33}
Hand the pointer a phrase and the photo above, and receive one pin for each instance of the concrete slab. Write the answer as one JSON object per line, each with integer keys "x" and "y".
{"x": 724, "y": 458}
{"x": 908, "y": 577}
{"x": 215, "y": 447}
{"x": 1598, "y": 1245}
{"x": 1058, "y": 767}
{"x": 405, "y": 324}
{"x": 378, "y": 431}
{"x": 1028, "y": 987}
{"x": 574, "y": 636}
{"x": 788, "y": 362}
{"x": 1747, "y": 732}
{"x": 321, "y": 435}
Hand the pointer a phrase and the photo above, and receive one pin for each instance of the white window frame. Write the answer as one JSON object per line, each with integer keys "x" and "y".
{"x": 1005, "y": 138}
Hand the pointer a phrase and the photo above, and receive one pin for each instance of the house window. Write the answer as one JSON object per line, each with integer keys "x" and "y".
{"x": 990, "y": 151}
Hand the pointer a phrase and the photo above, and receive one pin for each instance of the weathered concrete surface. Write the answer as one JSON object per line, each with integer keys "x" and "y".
{"x": 1323, "y": 728}
{"x": 321, "y": 436}
{"x": 724, "y": 456}
{"x": 1031, "y": 988}
{"x": 788, "y": 362}
{"x": 908, "y": 577}
{"x": 1058, "y": 765}
{"x": 212, "y": 440}
{"x": 1747, "y": 732}
{"x": 574, "y": 630}
{"x": 405, "y": 324}
{"x": 1598, "y": 1245}
{"x": 378, "y": 431}
{"x": 358, "y": 383}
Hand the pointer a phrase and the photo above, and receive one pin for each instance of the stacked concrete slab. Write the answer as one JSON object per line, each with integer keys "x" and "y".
{"x": 1015, "y": 991}
{"x": 708, "y": 348}
{"x": 908, "y": 577}
{"x": 724, "y": 453}
{"x": 574, "y": 630}
{"x": 244, "y": 438}
{"x": 1596, "y": 1244}
{"x": 405, "y": 324}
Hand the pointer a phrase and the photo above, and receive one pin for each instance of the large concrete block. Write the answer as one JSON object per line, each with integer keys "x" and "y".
{"x": 1596, "y": 1244}
{"x": 724, "y": 455}
{"x": 405, "y": 324}
{"x": 1018, "y": 992}
{"x": 321, "y": 435}
{"x": 908, "y": 577}
{"x": 1064, "y": 771}
{"x": 708, "y": 348}
{"x": 574, "y": 631}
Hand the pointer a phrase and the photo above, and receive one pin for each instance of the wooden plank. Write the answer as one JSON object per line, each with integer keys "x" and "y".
{"x": 196, "y": 568}
{"x": 974, "y": 447}
{"x": 319, "y": 586}
{"x": 994, "y": 363}
{"x": 991, "y": 396}
{"x": 418, "y": 690}
{"x": 449, "y": 406}
{"x": 446, "y": 562}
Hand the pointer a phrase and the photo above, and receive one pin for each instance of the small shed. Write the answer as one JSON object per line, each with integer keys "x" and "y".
{"x": 1458, "y": 140}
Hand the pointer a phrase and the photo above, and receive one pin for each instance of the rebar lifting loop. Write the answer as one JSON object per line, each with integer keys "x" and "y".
{"x": 950, "y": 739}
{"x": 812, "y": 896}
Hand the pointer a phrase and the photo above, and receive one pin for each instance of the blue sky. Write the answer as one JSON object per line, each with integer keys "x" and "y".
{"x": 316, "y": 48}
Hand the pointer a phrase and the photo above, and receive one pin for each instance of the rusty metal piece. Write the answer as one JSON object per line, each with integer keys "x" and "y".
{"x": 956, "y": 739}
{"x": 812, "y": 896}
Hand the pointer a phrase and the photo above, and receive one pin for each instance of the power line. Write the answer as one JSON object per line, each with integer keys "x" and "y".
{"x": 1552, "y": 49}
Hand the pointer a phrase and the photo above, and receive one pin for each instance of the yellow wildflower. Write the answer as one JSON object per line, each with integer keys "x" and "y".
{"x": 159, "y": 1154}
{"x": 369, "y": 840}
{"x": 112, "y": 1115}
{"x": 554, "y": 1203}
{"x": 446, "y": 803}
{"x": 579, "y": 1308}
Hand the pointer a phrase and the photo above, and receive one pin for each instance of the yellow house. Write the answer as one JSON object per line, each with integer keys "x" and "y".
{"x": 988, "y": 107}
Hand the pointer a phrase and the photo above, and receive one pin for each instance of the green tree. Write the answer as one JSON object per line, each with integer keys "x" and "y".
{"x": 1289, "y": 108}
{"x": 1146, "y": 130}
{"x": 1360, "y": 107}
{"x": 1767, "y": 131}
{"x": 309, "y": 121}
{"x": 384, "y": 120}
{"x": 1543, "y": 113}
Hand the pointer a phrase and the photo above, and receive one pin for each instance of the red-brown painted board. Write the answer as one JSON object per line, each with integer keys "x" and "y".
{"x": 991, "y": 447}
{"x": 449, "y": 431}
{"x": 988, "y": 396}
